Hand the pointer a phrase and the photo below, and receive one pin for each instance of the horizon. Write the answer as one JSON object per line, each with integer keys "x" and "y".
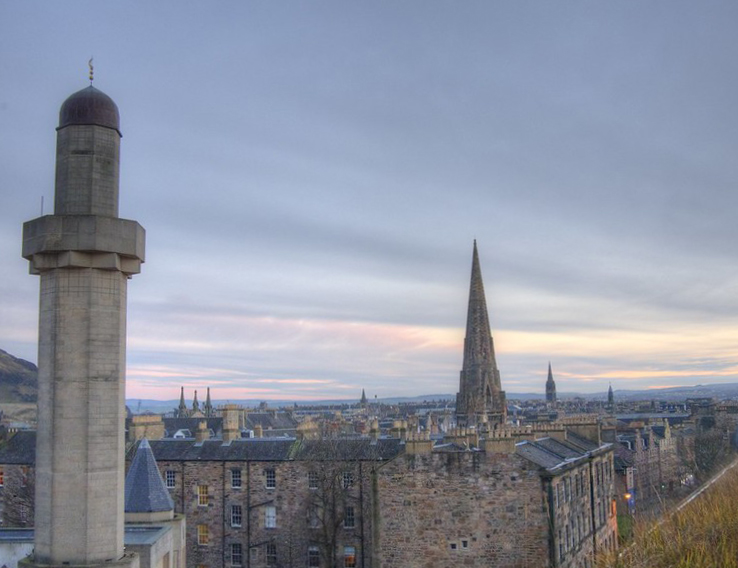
{"x": 311, "y": 180}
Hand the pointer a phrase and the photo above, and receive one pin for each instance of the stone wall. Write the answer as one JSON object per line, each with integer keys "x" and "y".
{"x": 461, "y": 508}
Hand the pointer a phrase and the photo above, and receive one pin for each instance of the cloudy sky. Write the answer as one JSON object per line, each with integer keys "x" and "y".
{"x": 311, "y": 176}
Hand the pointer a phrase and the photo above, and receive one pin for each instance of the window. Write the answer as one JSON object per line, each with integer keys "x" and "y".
{"x": 453, "y": 546}
{"x": 203, "y": 535}
{"x": 236, "y": 554}
{"x": 236, "y": 515}
{"x": 348, "y": 479}
{"x": 313, "y": 480}
{"x": 236, "y": 478}
{"x": 271, "y": 478}
{"x": 270, "y": 517}
{"x": 313, "y": 557}
{"x": 464, "y": 544}
{"x": 170, "y": 477}
{"x": 349, "y": 519}
{"x": 349, "y": 557}
{"x": 203, "y": 499}
{"x": 271, "y": 554}
{"x": 313, "y": 518}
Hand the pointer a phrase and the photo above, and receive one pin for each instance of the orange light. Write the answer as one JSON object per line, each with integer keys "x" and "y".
{"x": 627, "y": 495}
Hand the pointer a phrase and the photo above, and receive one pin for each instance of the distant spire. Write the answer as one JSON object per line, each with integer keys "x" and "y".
{"x": 208, "y": 405}
{"x": 550, "y": 387}
{"x": 480, "y": 392}
{"x": 195, "y": 404}
{"x": 92, "y": 71}
{"x": 610, "y": 398}
{"x": 182, "y": 409}
{"x": 363, "y": 398}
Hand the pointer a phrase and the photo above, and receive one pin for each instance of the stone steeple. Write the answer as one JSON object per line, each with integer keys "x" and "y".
{"x": 195, "y": 404}
{"x": 480, "y": 398}
{"x": 208, "y": 408}
{"x": 182, "y": 408}
{"x": 550, "y": 387}
{"x": 610, "y": 399}
{"x": 363, "y": 399}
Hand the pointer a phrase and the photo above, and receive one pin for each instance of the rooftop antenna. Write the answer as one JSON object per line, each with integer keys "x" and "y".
{"x": 92, "y": 71}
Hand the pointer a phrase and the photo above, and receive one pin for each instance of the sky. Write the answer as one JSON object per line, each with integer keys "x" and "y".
{"x": 312, "y": 175}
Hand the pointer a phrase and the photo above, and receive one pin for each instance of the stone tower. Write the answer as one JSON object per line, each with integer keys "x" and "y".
{"x": 480, "y": 398}
{"x": 610, "y": 399}
{"x": 550, "y": 388}
{"x": 84, "y": 255}
{"x": 182, "y": 408}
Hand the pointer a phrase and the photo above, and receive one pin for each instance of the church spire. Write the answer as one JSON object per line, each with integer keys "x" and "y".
{"x": 480, "y": 393}
{"x": 610, "y": 399}
{"x": 182, "y": 408}
{"x": 363, "y": 399}
{"x": 195, "y": 404}
{"x": 550, "y": 387}
{"x": 208, "y": 405}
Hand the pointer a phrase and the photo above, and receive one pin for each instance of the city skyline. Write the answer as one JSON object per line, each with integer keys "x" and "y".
{"x": 312, "y": 179}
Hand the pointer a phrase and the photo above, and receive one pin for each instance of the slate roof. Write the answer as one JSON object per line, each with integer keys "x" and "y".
{"x": 550, "y": 453}
{"x": 19, "y": 449}
{"x": 270, "y": 420}
{"x": 145, "y": 490}
{"x": 172, "y": 425}
{"x": 623, "y": 457}
{"x": 275, "y": 449}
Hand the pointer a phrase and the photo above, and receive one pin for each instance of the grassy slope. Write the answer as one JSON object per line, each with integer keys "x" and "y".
{"x": 703, "y": 534}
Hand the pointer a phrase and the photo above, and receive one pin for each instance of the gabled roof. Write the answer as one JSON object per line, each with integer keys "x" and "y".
{"x": 145, "y": 490}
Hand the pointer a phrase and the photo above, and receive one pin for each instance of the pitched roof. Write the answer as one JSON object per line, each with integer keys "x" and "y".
{"x": 145, "y": 490}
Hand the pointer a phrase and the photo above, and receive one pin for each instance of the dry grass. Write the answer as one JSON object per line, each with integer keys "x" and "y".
{"x": 703, "y": 534}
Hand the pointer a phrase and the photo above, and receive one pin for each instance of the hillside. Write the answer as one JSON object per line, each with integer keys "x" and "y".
{"x": 18, "y": 380}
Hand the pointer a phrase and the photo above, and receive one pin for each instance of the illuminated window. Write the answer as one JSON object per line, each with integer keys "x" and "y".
{"x": 271, "y": 478}
{"x": 236, "y": 554}
{"x": 271, "y": 554}
{"x": 349, "y": 519}
{"x": 236, "y": 478}
{"x": 203, "y": 499}
{"x": 349, "y": 557}
{"x": 236, "y": 515}
{"x": 270, "y": 517}
{"x": 203, "y": 535}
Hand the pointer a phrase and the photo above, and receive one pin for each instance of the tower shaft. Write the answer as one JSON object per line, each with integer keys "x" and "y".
{"x": 84, "y": 255}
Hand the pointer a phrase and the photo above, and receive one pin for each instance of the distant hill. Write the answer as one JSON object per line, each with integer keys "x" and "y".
{"x": 18, "y": 379}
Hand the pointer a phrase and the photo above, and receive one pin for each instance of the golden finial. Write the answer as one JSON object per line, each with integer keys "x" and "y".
{"x": 89, "y": 63}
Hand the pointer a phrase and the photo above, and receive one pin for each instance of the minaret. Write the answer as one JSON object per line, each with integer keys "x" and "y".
{"x": 84, "y": 255}
{"x": 182, "y": 408}
{"x": 480, "y": 392}
{"x": 208, "y": 406}
{"x": 550, "y": 388}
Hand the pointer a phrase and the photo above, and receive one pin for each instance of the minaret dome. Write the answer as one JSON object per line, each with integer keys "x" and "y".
{"x": 90, "y": 106}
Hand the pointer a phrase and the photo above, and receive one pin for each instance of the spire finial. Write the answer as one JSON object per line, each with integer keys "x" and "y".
{"x": 92, "y": 71}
